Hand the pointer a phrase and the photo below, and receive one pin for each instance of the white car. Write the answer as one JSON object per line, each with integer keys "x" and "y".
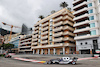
{"x": 63, "y": 60}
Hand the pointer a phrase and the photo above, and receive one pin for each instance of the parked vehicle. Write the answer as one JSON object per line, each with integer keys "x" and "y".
{"x": 63, "y": 60}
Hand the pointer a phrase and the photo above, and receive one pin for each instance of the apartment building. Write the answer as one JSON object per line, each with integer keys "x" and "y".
{"x": 25, "y": 44}
{"x": 54, "y": 34}
{"x": 87, "y": 25}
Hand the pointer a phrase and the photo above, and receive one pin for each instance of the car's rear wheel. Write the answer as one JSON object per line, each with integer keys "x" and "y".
{"x": 49, "y": 62}
{"x": 73, "y": 63}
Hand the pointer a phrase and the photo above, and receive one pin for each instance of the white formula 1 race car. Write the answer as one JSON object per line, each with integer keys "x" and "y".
{"x": 63, "y": 60}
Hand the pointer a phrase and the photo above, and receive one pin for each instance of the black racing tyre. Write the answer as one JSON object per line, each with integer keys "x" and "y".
{"x": 73, "y": 63}
{"x": 49, "y": 62}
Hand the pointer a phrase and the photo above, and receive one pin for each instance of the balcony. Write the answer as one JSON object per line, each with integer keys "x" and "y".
{"x": 76, "y": 1}
{"x": 36, "y": 28}
{"x": 35, "y": 39}
{"x": 82, "y": 16}
{"x": 58, "y": 34}
{"x": 69, "y": 44}
{"x": 46, "y": 32}
{"x": 57, "y": 29}
{"x": 67, "y": 17}
{"x": 35, "y": 32}
{"x": 45, "y": 24}
{"x": 46, "y": 41}
{"x": 26, "y": 40}
{"x": 58, "y": 24}
{"x": 25, "y": 43}
{"x": 68, "y": 39}
{"x": 82, "y": 37}
{"x": 25, "y": 47}
{"x": 69, "y": 28}
{"x": 35, "y": 36}
{"x": 81, "y": 30}
{"x": 57, "y": 19}
{"x": 68, "y": 22}
{"x": 69, "y": 33}
{"x": 43, "y": 29}
{"x": 34, "y": 43}
{"x": 79, "y": 11}
{"x": 71, "y": 15}
{"x": 44, "y": 37}
{"x": 58, "y": 39}
{"x": 84, "y": 3}
{"x": 81, "y": 23}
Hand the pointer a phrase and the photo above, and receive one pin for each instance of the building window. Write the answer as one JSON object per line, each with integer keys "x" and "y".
{"x": 50, "y": 29}
{"x": 81, "y": 43}
{"x": 50, "y": 38}
{"x": 50, "y": 43}
{"x": 91, "y": 11}
{"x": 92, "y": 25}
{"x": 93, "y": 32}
{"x": 50, "y": 33}
{"x": 90, "y": 4}
{"x": 91, "y": 18}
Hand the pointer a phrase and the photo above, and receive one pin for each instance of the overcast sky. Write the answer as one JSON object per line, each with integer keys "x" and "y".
{"x": 17, "y": 12}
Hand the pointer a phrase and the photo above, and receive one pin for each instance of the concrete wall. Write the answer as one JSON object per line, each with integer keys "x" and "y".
{"x": 86, "y": 46}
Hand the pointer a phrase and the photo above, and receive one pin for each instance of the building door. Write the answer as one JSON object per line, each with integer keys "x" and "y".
{"x": 95, "y": 44}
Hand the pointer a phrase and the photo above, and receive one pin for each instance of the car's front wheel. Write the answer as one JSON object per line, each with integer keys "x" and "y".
{"x": 73, "y": 63}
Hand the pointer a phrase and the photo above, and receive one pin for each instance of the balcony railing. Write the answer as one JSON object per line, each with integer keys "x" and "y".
{"x": 44, "y": 28}
{"x": 57, "y": 19}
{"x": 83, "y": 29}
{"x": 45, "y": 24}
{"x": 46, "y": 41}
{"x": 25, "y": 47}
{"x": 81, "y": 23}
{"x": 69, "y": 28}
{"x": 35, "y": 39}
{"x": 67, "y": 17}
{"x": 46, "y": 32}
{"x": 58, "y": 34}
{"x": 57, "y": 29}
{"x": 82, "y": 16}
{"x": 68, "y": 38}
{"x": 57, "y": 24}
{"x": 58, "y": 39}
{"x": 44, "y": 37}
{"x": 82, "y": 36}
{"x": 26, "y": 40}
{"x": 68, "y": 22}
{"x": 25, "y": 43}
{"x": 80, "y": 5}
{"x": 69, "y": 33}
{"x": 81, "y": 10}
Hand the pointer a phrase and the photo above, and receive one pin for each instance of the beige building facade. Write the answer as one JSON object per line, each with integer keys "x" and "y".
{"x": 54, "y": 34}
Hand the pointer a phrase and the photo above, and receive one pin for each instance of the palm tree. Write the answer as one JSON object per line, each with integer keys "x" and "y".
{"x": 63, "y": 4}
{"x": 69, "y": 8}
{"x": 53, "y": 11}
{"x": 41, "y": 17}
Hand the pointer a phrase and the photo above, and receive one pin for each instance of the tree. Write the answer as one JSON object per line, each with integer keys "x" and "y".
{"x": 69, "y": 9}
{"x": 7, "y": 46}
{"x": 41, "y": 17}
{"x": 63, "y": 4}
{"x": 53, "y": 11}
